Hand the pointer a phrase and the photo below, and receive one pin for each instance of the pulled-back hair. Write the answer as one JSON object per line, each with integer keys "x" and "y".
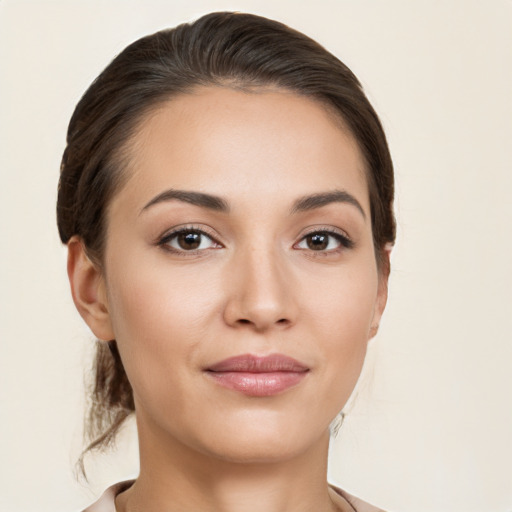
{"x": 243, "y": 51}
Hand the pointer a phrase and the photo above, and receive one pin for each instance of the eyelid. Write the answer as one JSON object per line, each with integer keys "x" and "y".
{"x": 342, "y": 236}
{"x": 168, "y": 235}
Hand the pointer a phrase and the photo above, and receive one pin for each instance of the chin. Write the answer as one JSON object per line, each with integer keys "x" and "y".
{"x": 263, "y": 442}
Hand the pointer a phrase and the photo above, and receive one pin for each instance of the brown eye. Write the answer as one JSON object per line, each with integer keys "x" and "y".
{"x": 188, "y": 240}
{"x": 325, "y": 241}
{"x": 317, "y": 241}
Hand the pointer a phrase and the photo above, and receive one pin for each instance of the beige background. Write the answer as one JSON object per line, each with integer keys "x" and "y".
{"x": 431, "y": 428}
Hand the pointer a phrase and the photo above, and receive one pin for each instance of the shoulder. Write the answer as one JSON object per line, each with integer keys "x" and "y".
{"x": 357, "y": 504}
{"x": 106, "y": 502}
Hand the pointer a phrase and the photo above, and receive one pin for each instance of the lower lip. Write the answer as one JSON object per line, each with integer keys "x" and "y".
{"x": 258, "y": 384}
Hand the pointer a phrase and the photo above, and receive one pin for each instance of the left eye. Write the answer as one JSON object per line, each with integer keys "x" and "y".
{"x": 188, "y": 240}
{"x": 323, "y": 241}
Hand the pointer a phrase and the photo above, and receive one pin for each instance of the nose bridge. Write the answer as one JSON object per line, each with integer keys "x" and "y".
{"x": 261, "y": 294}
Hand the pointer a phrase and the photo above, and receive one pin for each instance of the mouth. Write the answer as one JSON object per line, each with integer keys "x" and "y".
{"x": 258, "y": 376}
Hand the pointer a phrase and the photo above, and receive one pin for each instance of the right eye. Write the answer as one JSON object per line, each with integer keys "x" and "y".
{"x": 188, "y": 240}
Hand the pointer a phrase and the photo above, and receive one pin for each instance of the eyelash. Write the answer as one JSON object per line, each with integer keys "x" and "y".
{"x": 168, "y": 237}
{"x": 345, "y": 243}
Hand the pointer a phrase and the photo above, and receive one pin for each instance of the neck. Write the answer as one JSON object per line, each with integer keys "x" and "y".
{"x": 178, "y": 478}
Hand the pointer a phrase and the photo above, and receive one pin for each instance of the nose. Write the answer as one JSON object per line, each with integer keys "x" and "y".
{"x": 260, "y": 292}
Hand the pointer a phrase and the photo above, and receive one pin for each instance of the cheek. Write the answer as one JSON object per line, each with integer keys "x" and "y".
{"x": 151, "y": 296}
{"x": 343, "y": 304}
{"x": 159, "y": 314}
{"x": 341, "y": 315}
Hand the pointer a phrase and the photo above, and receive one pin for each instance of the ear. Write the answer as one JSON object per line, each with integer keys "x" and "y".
{"x": 88, "y": 290}
{"x": 382, "y": 291}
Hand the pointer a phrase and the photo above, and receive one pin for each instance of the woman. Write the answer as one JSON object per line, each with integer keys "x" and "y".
{"x": 226, "y": 198}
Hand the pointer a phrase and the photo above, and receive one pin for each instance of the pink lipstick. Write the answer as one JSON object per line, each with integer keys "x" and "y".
{"x": 258, "y": 375}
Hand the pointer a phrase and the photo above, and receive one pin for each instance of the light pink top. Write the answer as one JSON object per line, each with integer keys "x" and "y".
{"x": 106, "y": 502}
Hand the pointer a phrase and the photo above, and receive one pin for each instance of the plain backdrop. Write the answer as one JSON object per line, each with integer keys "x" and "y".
{"x": 430, "y": 429}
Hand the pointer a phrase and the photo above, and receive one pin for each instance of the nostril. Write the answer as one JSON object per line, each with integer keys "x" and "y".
{"x": 244, "y": 321}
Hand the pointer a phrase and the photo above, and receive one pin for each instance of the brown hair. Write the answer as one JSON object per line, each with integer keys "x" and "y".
{"x": 226, "y": 49}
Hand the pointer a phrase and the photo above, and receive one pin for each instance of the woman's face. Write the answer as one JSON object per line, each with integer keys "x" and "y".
{"x": 242, "y": 232}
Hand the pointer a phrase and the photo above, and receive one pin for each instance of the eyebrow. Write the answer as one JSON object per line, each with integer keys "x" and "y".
{"x": 196, "y": 198}
{"x": 216, "y": 203}
{"x": 314, "y": 201}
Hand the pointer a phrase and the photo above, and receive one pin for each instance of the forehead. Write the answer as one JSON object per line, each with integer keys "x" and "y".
{"x": 263, "y": 145}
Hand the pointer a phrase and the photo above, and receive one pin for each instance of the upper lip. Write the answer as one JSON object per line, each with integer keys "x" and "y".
{"x": 258, "y": 364}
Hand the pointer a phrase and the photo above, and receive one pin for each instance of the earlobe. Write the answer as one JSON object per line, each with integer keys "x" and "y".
{"x": 88, "y": 290}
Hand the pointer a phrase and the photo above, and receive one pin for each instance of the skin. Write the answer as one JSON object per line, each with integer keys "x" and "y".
{"x": 253, "y": 287}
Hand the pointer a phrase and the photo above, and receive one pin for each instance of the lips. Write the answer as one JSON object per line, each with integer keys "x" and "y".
{"x": 258, "y": 375}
